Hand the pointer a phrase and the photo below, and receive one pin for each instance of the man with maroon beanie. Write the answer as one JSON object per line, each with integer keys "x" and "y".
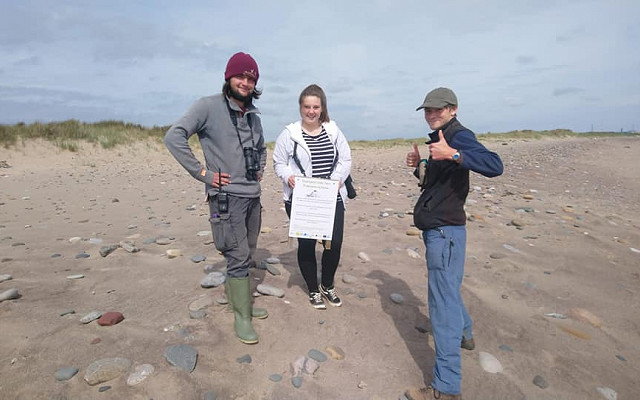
{"x": 230, "y": 134}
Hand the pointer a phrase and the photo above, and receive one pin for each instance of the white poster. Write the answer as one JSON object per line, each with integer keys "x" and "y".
{"x": 313, "y": 208}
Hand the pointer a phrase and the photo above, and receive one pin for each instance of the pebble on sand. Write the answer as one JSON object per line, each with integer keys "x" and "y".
{"x": 173, "y": 253}
{"x": 110, "y": 318}
{"x": 65, "y": 373}
{"x": 489, "y": 363}
{"x": 349, "y": 279}
{"x": 587, "y": 316}
{"x": 92, "y": 316}
{"x": 335, "y": 352}
{"x": 363, "y": 256}
{"x": 607, "y": 393}
{"x": 106, "y": 369}
{"x": 182, "y": 356}
{"x": 540, "y": 382}
{"x": 139, "y": 374}
{"x": 10, "y": 294}
{"x": 269, "y": 290}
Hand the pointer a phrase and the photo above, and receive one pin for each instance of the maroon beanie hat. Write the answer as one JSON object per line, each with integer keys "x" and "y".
{"x": 241, "y": 64}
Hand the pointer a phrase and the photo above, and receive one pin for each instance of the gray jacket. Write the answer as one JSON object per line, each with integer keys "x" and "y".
{"x": 209, "y": 118}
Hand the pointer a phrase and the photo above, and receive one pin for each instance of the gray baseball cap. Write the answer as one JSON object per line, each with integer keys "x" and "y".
{"x": 439, "y": 98}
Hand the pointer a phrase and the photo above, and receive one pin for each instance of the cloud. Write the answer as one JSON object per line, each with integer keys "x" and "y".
{"x": 566, "y": 90}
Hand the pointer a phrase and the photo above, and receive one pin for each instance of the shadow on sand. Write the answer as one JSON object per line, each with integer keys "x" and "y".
{"x": 411, "y": 323}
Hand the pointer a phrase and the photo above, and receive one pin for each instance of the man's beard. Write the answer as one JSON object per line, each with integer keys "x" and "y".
{"x": 238, "y": 96}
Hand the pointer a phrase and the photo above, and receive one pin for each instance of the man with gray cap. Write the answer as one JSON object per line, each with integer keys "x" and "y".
{"x": 439, "y": 213}
{"x": 230, "y": 134}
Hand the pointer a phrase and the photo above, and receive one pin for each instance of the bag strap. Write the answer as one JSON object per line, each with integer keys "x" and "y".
{"x": 299, "y": 164}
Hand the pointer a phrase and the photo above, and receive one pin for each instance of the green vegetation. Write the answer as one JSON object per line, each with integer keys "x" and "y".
{"x": 108, "y": 134}
{"x": 68, "y": 134}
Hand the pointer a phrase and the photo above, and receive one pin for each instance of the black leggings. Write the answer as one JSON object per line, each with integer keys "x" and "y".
{"x": 330, "y": 257}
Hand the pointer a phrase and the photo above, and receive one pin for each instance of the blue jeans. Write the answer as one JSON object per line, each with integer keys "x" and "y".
{"x": 450, "y": 321}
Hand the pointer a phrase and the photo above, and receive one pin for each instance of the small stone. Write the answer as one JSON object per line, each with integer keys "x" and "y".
{"x": 204, "y": 233}
{"x": 163, "y": 241}
{"x": 67, "y": 312}
{"x": 182, "y": 356}
{"x": 75, "y": 239}
{"x": 587, "y": 316}
{"x": 10, "y": 294}
{"x": 106, "y": 369}
{"x": 296, "y": 381}
{"x": 65, "y": 373}
{"x": 92, "y": 316}
{"x": 575, "y": 332}
{"x": 413, "y": 231}
{"x": 506, "y": 348}
{"x": 621, "y": 358}
{"x": 272, "y": 260}
{"x": 55, "y": 255}
{"x": 396, "y": 298}
{"x": 139, "y": 374}
{"x": 540, "y": 382}
{"x": 173, "y": 253}
{"x": 213, "y": 279}
{"x": 362, "y": 385}
{"x": 96, "y": 340}
{"x": 489, "y": 363}
{"x": 198, "y": 314}
{"x": 198, "y": 258}
{"x": 266, "y": 229}
{"x": 607, "y": 393}
{"x": 496, "y": 256}
{"x": 210, "y": 395}
{"x": 269, "y": 290}
{"x": 246, "y": 359}
{"x": 335, "y": 352}
{"x": 129, "y": 247}
{"x": 273, "y": 270}
{"x": 275, "y": 377}
{"x": 5, "y": 277}
{"x": 349, "y": 279}
{"x": 363, "y": 256}
{"x": 106, "y": 250}
{"x": 200, "y": 303}
{"x": 103, "y": 388}
{"x": 413, "y": 254}
{"x": 82, "y": 255}
{"x": 317, "y": 355}
{"x": 78, "y": 276}
{"x": 110, "y": 318}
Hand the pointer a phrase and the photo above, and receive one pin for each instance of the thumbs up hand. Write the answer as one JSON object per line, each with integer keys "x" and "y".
{"x": 413, "y": 157}
{"x": 441, "y": 150}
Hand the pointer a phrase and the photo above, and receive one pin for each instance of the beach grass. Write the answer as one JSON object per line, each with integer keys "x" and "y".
{"x": 70, "y": 134}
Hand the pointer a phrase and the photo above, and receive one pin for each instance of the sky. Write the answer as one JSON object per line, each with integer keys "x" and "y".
{"x": 514, "y": 65}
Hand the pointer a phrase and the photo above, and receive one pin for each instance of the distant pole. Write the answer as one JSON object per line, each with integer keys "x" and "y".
{"x": 592, "y": 128}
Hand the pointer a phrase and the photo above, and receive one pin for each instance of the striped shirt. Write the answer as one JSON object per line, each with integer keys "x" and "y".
{"x": 321, "y": 154}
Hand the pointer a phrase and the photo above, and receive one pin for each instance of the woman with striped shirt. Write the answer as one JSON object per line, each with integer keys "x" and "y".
{"x": 315, "y": 147}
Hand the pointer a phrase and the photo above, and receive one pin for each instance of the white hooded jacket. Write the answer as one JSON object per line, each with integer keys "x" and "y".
{"x": 285, "y": 166}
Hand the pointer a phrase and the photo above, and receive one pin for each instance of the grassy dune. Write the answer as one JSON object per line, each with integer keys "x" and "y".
{"x": 109, "y": 134}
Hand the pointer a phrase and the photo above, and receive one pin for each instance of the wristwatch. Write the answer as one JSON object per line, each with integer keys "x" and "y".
{"x": 456, "y": 156}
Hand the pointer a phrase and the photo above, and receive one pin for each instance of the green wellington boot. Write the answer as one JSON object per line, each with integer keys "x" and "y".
{"x": 256, "y": 312}
{"x": 240, "y": 296}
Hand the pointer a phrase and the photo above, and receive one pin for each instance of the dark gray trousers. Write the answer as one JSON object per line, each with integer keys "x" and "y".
{"x": 235, "y": 233}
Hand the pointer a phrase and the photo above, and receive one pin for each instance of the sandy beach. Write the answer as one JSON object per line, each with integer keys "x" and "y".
{"x": 552, "y": 279}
